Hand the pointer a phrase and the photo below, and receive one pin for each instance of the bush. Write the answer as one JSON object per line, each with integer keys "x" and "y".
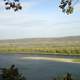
{"x": 12, "y": 73}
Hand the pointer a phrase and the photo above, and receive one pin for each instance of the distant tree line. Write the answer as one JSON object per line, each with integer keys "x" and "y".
{"x": 42, "y": 50}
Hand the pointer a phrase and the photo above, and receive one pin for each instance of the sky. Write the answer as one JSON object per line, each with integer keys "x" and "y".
{"x": 39, "y": 18}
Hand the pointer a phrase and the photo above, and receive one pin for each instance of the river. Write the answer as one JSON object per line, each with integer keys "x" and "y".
{"x": 40, "y": 69}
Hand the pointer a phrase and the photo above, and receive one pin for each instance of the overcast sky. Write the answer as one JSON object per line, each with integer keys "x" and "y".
{"x": 38, "y": 18}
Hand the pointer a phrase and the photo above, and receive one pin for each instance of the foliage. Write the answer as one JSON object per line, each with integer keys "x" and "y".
{"x": 66, "y": 6}
{"x": 68, "y": 76}
{"x": 42, "y": 50}
{"x": 15, "y": 5}
{"x": 12, "y": 73}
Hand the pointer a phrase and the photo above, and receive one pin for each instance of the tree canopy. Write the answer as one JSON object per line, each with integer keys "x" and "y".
{"x": 15, "y": 5}
{"x": 11, "y": 73}
{"x": 65, "y": 5}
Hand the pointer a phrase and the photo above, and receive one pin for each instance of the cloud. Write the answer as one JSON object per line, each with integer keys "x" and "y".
{"x": 26, "y": 5}
{"x": 2, "y": 4}
{"x": 77, "y": 7}
{"x": 21, "y": 20}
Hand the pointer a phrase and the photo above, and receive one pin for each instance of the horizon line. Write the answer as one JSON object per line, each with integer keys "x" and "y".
{"x": 40, "y": 37}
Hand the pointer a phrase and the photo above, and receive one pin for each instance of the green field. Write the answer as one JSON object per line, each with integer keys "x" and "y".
{"x": 66, "y": 45}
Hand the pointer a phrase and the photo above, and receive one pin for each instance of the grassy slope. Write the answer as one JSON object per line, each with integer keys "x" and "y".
{"x": 66, "y": 45}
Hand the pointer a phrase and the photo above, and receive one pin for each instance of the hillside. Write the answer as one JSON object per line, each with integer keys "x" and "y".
{"x": 69, "y": 45}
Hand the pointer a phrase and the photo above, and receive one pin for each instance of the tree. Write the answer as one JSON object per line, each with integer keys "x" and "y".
{"x": 67, "y": 6}
{"x": 12, "y": 73}
{"x": 68, "y": 77}
{"x": 15, "y": 5}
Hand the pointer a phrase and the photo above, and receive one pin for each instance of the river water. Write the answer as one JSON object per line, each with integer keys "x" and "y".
{"x": 40, "y": 69}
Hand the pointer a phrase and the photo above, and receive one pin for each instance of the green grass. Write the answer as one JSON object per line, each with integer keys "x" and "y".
{"x": 42, "y": 50}
{"x": 76, "y": 60}
{"x": 66, "y": 46}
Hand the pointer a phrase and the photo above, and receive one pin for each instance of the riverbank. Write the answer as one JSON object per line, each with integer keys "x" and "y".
{"x": 59, "y": 55}
{"x": 68, "y": 60}
{"x": 40, "y": 53}
{"x": 49, "y": 57}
